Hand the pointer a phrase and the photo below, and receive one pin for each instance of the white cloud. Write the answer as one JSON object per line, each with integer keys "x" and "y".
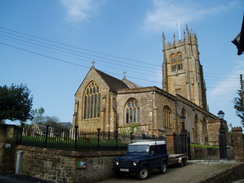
{"x": 222, "y": 95}
{"x": 165, "y": 13}
{"x": 229, "y": 84}
{"x": 78, "y": 10}
{"x": 226, "y": 86}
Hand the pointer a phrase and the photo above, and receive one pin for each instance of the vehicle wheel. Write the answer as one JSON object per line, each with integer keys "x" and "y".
{"x": 163, "y": 167}
{"x": 181, "y": 164}
{"x": 185, "y": 162}
{"x": 143, "y": 173}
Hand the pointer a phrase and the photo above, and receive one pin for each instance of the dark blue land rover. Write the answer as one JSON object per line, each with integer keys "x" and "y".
{"x": 141, "y": 158}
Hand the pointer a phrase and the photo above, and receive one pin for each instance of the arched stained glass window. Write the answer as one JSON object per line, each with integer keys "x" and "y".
{"x": 195, "y": 129}
{"x": 92, "y": 101}
{"x": 132, "y": 111}
{"x": 183, "y": 113}
{"x": 167, "y": 116}
{"x": 204, "y": 130}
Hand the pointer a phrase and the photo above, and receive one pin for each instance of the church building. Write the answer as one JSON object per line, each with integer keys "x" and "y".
{"x": 105, "y": 102}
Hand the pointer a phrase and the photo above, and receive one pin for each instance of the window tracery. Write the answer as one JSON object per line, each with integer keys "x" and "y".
{"x": 176, "y": 61}
{"x": 132, "y": 111}
{"x": 167, "y": 116}
{"x": 92, "y": 98}
{"x": 195, "y": 128}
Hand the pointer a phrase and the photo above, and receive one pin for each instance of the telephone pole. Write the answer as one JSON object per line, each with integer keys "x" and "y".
{"x": 242, "y": 90}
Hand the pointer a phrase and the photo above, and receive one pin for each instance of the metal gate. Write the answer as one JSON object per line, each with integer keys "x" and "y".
{"x": 182, "y": 144}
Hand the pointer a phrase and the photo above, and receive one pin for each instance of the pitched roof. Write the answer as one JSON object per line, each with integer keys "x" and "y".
{"x": 129, "y": 83}
{"x": 111, "y": 81}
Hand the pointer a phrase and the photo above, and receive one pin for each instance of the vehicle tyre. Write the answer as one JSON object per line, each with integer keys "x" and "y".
{"x": 163, "y": 168}
{"x": 143, "y": 173}
{"x": 181, "y": 164}
{"x": 185, "y": 162}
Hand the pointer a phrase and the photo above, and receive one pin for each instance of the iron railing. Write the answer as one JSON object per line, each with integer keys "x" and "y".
{"x": 46, "y": 136}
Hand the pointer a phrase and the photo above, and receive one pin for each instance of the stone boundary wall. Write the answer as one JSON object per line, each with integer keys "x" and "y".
{"x": 200, "y": 153}
{"x": 234, "y": 173}
{"x": 238, "y": 144}
{"x": 61, "y": 166}
{"x": 8, "y": 136}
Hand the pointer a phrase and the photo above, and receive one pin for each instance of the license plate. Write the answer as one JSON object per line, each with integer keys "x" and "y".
{"x": 124, "y": 170}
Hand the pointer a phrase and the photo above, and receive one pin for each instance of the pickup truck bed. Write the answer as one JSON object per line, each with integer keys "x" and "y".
{"x": 179, "y": 159}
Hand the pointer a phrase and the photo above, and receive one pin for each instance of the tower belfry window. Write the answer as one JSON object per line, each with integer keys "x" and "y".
{"x": 172, "y": 58}
{"x": 179, "y": 57}
{"x": 173, "y": 68}
{"x": 176, "y": 61}
{"x": 179, "y": 66}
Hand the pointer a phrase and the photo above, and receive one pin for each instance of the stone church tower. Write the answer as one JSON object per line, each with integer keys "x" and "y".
{"x": 182, "y": 71}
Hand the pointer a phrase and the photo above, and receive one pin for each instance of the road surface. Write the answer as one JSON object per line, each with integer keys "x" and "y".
{"x": 187, "y": 174}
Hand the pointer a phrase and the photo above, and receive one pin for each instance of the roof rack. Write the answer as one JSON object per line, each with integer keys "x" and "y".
{"x": 149, "y": 141}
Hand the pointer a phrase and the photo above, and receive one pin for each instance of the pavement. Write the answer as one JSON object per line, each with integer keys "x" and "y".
{"x": 196, "y": 170}
{"x": 223, "y": 161}
{"x": 21, "y": 179}
{"x": 192, "y": 173}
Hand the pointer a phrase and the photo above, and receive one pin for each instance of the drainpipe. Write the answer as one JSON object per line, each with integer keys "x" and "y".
{"x": 18, "y": 162}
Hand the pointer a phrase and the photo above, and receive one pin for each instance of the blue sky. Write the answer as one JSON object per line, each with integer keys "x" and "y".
{"x": 49, "y": 46}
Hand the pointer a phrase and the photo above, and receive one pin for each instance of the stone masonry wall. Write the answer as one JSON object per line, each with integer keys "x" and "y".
{"x": 238, "y": 144}
{"x": 60, "y": 166}
{"x": 8, "y": 139}
{"x": 199, "y": 153}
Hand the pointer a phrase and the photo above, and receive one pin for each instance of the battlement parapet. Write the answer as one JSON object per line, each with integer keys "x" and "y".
{"x": 237, "y": 129}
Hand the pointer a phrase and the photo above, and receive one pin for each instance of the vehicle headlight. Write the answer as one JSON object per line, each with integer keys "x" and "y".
{"x": 134, "y": 163}
{"x": 116, "y": 163}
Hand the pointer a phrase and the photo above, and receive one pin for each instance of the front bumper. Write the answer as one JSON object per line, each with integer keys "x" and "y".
{"x": 134, "y": 169}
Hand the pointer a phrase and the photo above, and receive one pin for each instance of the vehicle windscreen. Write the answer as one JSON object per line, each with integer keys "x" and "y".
{"x": 138, "y": 149}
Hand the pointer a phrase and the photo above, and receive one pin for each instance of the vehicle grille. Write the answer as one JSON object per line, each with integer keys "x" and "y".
{"x": 125, "y": 163}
